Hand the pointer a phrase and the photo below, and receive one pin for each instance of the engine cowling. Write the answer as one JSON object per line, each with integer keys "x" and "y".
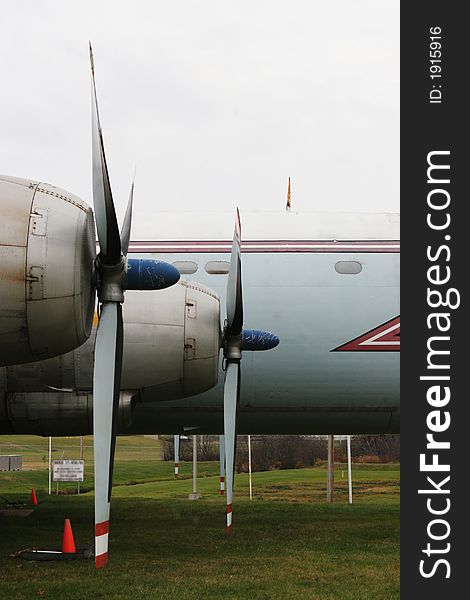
{"x": 171, "y": 344}
{"x": 47, "y": 246}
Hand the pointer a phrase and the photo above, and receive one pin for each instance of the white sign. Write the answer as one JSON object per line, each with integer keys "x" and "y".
{"x": 67, "y": 470}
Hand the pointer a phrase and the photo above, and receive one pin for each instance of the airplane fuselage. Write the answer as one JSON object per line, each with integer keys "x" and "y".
{"x": 327, "y": 285}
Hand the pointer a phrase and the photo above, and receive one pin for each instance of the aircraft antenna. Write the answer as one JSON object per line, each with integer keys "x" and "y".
{"x": 288, "y": 203}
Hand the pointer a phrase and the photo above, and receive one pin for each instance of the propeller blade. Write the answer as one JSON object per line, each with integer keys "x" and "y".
{"x": 114, "y": 274}
{"x": 234, "y": 341}
{"x": 234, "y": 285}
{"x": 106, "y": 387}
{"x": 231, "y": 395}
{"x": 126, "y": 225}
{"x": 105, "y": 215}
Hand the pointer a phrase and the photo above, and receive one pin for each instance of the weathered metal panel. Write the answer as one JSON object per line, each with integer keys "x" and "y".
{"x": 51, "y": 328}
{"x": 13, "y": 331}
{"x": 16, "y": 196}
{"x": 204, "y": 327}
{"x": 202, "y": 339}
{"x": 35, "y": 283}
{"x": 189, "y": 348}
{"x": 61, "y": 413}
{"x": 61, "y": 320}
{"x": 50, "y": 413}
{"x": 38, "y": 224}
{"x": 15, "y": 199}
{"x": 26, "y": 378}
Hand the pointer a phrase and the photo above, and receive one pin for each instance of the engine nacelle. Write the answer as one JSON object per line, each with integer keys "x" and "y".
{"x": 171, "y": 351}
{"x": 47, "y": 246}
{"x": 171, "y": 343}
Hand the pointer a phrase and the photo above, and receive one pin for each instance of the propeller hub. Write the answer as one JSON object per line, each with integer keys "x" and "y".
{"x": 232, "y": 347}
{"x": 110, "y": 281}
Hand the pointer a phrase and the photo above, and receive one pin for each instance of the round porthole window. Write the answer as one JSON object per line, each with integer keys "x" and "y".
{"x": 185, "y": 267}
{"x": 217, "y": 267}
{"x": 348, "y": 267}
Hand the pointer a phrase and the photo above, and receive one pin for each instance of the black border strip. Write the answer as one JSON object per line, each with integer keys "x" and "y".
{"x": 428, "y": 127}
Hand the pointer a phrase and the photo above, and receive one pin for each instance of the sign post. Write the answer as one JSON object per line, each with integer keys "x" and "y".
{"x": 195, "y": 495}
{"x": 330, "y": 476}
{"x": 50, "y": 465}
{"x": 68, "y": 470}
{"x": 249, "y": 459}
{"x": 348, "y": 438}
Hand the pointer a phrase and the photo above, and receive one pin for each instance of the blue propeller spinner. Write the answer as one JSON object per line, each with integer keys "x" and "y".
{"x": 254, "y": 339}
{"x": 145, "y": 274}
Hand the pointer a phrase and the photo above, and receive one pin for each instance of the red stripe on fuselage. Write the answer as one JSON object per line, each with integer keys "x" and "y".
{"x": 260, "y": 246}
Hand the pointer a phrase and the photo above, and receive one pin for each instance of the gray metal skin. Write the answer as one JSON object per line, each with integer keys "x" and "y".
{"x": 47, "y": 247}
{"x": 302, "y": 386}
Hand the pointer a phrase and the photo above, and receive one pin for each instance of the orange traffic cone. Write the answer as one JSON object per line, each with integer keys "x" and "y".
{"x": 34, "y": 498}
{"x": 68, "y": 543}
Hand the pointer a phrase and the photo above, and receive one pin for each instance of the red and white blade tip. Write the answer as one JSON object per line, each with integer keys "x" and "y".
{"x": 229, "y": 518}
{"x": 101, "y": 544}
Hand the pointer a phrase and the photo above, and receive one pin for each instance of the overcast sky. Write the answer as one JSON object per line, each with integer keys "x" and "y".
{"x": 216, "y": 102}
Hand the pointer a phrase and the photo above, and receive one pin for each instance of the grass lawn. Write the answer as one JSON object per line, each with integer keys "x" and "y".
{"x": 288, "y": 543}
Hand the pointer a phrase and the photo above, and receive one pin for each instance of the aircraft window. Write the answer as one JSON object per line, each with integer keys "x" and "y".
{"x": 185, "y": 267}
{"x": 218, "y": 267}
{"x": 348, "y": 267}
